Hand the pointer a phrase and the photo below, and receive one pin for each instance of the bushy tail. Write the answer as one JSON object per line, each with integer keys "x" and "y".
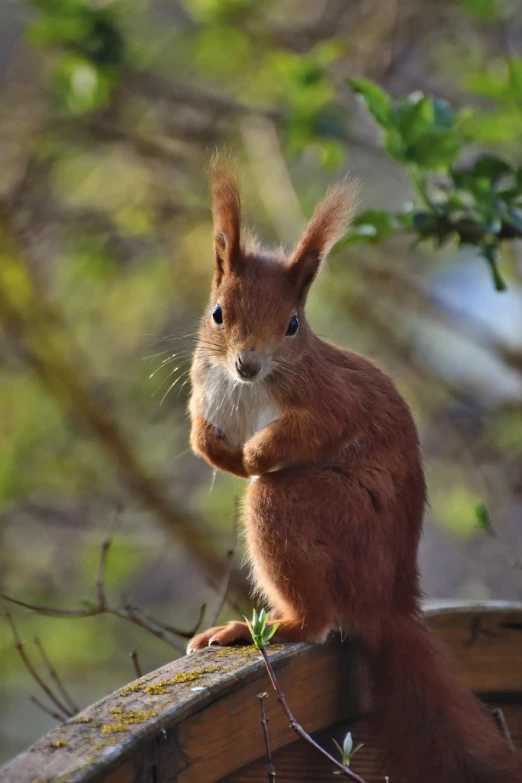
{"x": 431, "y": 728}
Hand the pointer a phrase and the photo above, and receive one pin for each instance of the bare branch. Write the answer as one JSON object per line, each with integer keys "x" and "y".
{"x": 223, "y": 590}
{"x": 54, "y": 676}
{"x": 264, "y": 723}
{"x": 100, "y": 585}
{"x": 45, "y": 709}
{"x": 297, "y": 727}
{"x": 19, "y": 645}
{"x": 135, "y": 661}
{"x": 127, "y": 612}
{"x": 124, "y": 613}
{"x": 49, "y": 611}
{"x": 137, "y": 611}
{"x": 130, "y": 614}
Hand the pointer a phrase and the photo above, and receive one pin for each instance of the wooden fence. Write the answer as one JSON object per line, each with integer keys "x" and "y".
{"x": 197, "y": 719}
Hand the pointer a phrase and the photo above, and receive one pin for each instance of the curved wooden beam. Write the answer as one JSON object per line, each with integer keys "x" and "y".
{"x": 196, "y": 720}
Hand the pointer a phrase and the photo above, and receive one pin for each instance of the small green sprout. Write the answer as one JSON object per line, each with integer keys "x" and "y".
{"x": 260, "y": 630}
{"x": 347, "y": 752}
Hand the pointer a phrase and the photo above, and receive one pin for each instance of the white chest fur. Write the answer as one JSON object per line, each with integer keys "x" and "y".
{"x": 238, "y": 409}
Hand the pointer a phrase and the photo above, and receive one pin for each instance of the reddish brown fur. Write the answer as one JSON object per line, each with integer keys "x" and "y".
{"x": 334, "y": 518}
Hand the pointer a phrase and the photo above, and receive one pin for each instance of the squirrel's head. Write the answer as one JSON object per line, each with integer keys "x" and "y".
{"x": 255, "y": 324}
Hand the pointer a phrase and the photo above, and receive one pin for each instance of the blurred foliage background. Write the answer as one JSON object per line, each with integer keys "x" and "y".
{"x": 108, "y": 113}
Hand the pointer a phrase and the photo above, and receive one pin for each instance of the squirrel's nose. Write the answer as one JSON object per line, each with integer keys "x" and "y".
{"x": 247, "y": 366}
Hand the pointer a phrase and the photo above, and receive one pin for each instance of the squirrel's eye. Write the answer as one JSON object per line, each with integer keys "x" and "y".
{"x": 293, "y": 326}
{"x": 217, "y": 314}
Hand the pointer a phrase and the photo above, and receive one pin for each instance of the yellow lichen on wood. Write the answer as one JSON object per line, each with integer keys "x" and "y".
{"x": 135, "y": 688}
{"x": 58, "y": 744}
{"x": 113, "y": 728}
{"x": 82, "y": 719}
{"x": 157, "y": 688}
{"x": 191, "y": 676}
{"x": 132, "y": 716}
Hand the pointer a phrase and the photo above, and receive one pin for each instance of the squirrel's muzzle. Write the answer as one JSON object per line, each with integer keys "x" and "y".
{"x": 248, "y": 364}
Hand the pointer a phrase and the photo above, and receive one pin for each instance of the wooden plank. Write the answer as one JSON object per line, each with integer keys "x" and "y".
{"x": 485, "y": 642}
{"x": 196, "y": 718}
{"x": 299, "y": 762}
{"x": 320, "y": 686}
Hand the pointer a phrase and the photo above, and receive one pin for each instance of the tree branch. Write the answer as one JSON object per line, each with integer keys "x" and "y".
{"x": 129, "y": 612}
{"x": 264, "y": 723}
{"x": 135, "y": 661}
{"x": 51, "y": 713}
{"x": 19, "y": 645}
{"x": 297, "y": 727}
{"x": 54, "y": 676}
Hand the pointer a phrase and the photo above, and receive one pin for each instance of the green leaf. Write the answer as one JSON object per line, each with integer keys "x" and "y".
{"x": 436, "y": 150}
{"x": 413, "y": 117}
{"x": 58, "y": 30}
{"x": 348, "y": 744}
{"x": 80, "y": 85}
{"x": 338, "y": 747}
{"x": 271, "y": 631}
{"x": 378, "y": 102}
{"x": 484, "y": 519}
{"x": 443, "y": 115}
{"x": 491, "y": 167}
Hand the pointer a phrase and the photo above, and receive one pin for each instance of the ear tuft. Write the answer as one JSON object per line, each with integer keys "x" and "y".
{"x": 226, "y": 213}
{"x": 327, "y": 225}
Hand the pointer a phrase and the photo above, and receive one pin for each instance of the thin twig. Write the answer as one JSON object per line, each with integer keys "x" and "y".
{"x": 127, "y": 611}
{"x": 264, "y": 723}
{"x": 124, "y": 613}
{"x": 45, "y": 709}
{"x": 170, "y": 628}
{"x": 104, "y": 550}
{"x": 49, "y": 611}
{"x": 54, "y": 676}
{"x": 19, "y": 645}
{"x": 223, "y": 590}
{"x": 135, "y": 661}
{"x": 297, "y": 727}
{"x": 498, "y": 717}
{"x": 130, "y": 614}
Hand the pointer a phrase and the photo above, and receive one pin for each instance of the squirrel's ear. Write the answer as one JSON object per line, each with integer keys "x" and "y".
{"x": 226, "y": 214}
{"x": 327, "y": 225}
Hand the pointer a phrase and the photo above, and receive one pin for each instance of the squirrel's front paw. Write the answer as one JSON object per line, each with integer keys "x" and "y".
{"x": 258, "y": 463}
{"x": 221, "y": 636}
{"x": 252, "y": 460}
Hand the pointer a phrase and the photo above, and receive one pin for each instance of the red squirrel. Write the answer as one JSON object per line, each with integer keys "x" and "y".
{"x": 335, "y": 502}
